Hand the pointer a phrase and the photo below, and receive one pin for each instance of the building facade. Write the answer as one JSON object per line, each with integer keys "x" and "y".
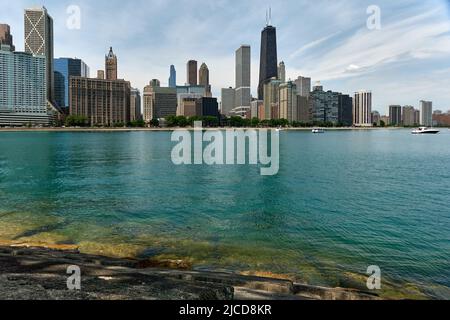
{"x": 287, "y": 101}
{"x": 271, "y": 91}
{"x": 362, "y": 109}
{"x": 102, "y": 102}
{"x": 303, "y": 86}
{"x": 395, "y": 114}
{"x": 23, "y": 91}
{"x": 135, "y": 105}
{"x": 64, "y": 69}
{"x": 268, "y": 59}
{"x": 5, "y": 36}
{"x": 227, "y": 101}
{"x": 159, "y": 102}
{"x": 243, "y": 77}
{"x": 345, "y": 110}
{"x": 208, "y": 106}
{"x": 426, "y": 113}
{"x": 191, "y": 73}
{"x": 410, "y": 116}
{"x": 282, "y": 72}
{"x": 111, "y": 65}
{"x": 324, "y": 105}
{"x": 39, "y": 42}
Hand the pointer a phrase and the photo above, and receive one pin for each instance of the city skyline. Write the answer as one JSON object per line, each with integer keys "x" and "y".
{"x": 410, "y": 72}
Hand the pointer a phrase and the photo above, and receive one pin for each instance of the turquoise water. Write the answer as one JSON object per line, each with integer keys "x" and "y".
{"x": 341, "y": 202}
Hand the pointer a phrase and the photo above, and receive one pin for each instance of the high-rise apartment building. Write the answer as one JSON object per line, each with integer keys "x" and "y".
{"x": 227, "y": 104}
{"x": 39, "y": 41}
{"x": 203, "y": 77}
{"x": 191, "y": 73}
{"x": 5, "y": 36}
{"x": 395, "y": 115}
{"x": 268, "y": 59}
{"x": 303, "y": 86}
{"x": 111, "y": 65}
{"x": 102, "y": 102}
{"x": 426, "y": 113}
{"x": 282, "y": 72}
{"x": 23, "y": 91}
{"x": 287, "y": 101}
{"x": 410, "y": 116}
{"x": 362, "y": 109}
{"x": 271, "y": 91}
{"x": 159, "y": 102}
{"x": 243, "y": 77}
{"x": 345, "y": 110}
{"x": 64, "y": 69}
{"x": 173, "y": 77}
{"x": 324, "y": 105}
{"x": 135, "y": 105}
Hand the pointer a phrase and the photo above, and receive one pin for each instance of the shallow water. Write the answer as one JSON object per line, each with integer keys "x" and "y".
{"x": 341, "y": 202}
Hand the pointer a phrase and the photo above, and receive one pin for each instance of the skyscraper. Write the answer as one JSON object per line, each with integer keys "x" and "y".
{"x": 227, "y": 104}
{"x": 269, "y": 61}
{"x": 191, "y": 72}
{"x": 159, "y": 102}
{"x": 102, "y": 102}
{"x": 288, "y": 101}
{"x": 362, "y": 109}
{"x": 135, "y": 105}
{"x": 243, "y": 77}
{"x": 282, "y": 72}
{"x": 64, "y": 69}
{"x": 409, "y": 116}
{"x": 39, "y": 41}
{"x": 395, "y": 115}
{"x": 426, "y": 112}
{"x": 5, "y": 36}
{"x": 303, "y": 86}
{"x": 203, "y": 77}
{"x": 271, "y": 90}
{"x": 173, "y": 77}
{"x": 111, "y": 65}
{"x": 324, "y": 105}
{"x": 345, "y": 110}
{"x": 23, "y": 92}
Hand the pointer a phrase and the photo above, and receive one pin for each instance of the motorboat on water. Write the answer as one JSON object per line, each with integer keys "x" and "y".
{"x": 318, "y": 130}
{"x": 425, "y": 130}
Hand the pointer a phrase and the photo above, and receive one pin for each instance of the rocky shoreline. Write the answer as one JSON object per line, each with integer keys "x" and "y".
{"x": 31, "y": 273}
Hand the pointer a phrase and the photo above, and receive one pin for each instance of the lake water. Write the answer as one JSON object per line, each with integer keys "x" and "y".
{"x": 342, "y": 201}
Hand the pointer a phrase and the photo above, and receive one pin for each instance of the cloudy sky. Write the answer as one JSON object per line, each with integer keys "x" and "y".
{"x": 407, "y": 60}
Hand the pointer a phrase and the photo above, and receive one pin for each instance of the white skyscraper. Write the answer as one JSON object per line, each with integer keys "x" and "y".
{"x": 243, "y": 77}
{"x": 362, "y": 109}
{"x": 39, "y": 41}
{"x": 426, "y": 113}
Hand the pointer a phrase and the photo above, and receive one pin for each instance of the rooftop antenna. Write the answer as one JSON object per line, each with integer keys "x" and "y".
{"x": 270, "y": 16}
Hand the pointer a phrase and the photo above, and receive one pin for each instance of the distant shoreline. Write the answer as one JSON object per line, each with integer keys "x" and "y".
{"x": 187, "y": 128}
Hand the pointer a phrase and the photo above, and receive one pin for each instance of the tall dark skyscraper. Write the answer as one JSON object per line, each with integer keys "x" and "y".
{"x": 192, "y": 73}
{"x": 269, "y": 60}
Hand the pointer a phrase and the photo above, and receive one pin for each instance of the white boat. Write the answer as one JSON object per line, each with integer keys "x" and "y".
{"x": 318, "y": 130}
{"x": 425, "y": 130}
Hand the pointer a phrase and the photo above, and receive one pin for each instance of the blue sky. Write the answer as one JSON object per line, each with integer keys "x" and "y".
{"x": 406, "y": 61}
